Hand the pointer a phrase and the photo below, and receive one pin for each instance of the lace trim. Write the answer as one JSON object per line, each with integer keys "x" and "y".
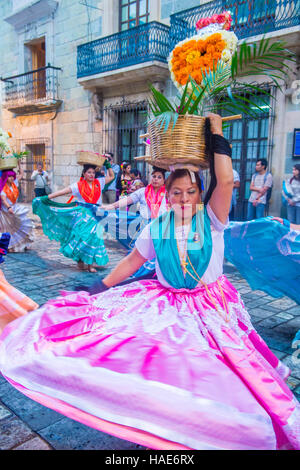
{"x": 121, "y": 309}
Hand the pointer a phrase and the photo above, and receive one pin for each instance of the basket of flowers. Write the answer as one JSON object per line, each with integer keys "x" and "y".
{"x": 85, "y": 157}
{"x": 8, "y": 158}
{"x": 207, "y": 69}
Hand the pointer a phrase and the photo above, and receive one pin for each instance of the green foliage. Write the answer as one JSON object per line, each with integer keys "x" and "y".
{"x": 220, "y": 90}
{"x": 19, "y": 155}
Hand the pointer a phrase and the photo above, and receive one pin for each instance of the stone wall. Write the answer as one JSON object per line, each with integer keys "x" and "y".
{"x": 74, "y": 127}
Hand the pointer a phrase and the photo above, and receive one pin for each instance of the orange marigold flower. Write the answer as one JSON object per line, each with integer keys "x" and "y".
{"x": 196, "y": 57}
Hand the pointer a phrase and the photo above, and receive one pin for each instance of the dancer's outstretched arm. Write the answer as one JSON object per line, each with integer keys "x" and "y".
{"x": 61, "y": 192}
{"x": 123, "y": 202}
{"x": 125, "y": 268}
{"x": 121, "y": 272}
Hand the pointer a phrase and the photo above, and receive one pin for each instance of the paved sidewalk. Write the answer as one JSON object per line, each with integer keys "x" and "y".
{"x": 41, "y": 273}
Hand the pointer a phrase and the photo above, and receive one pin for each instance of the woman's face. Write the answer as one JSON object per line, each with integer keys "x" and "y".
{"x": 296, "y": 172}
{"x": 157, "y": 179}
{"x": 184, "y": 196}
{"x": 89, "y": 175}
{"x": 11, "y": 179}
{"x": 128, "y": 170}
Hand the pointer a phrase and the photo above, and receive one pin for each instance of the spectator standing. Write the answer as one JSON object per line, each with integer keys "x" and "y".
{"x": 41, "y": 181}
{"x": 293, "y": 207}
{"x": 137, "y": 182}
{"x": 261, "y": 182}
{"x": 236, "y": 185}
{"x": 109, "y": 191}
{"x": 124, "y": 179}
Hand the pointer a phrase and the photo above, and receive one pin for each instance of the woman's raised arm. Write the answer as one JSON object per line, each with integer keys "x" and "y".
{"x": 221, "y": 197}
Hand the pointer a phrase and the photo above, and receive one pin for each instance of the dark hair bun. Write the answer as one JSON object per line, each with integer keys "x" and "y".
{"x": 88, "y": 166}
{"x": 160, "y": 170}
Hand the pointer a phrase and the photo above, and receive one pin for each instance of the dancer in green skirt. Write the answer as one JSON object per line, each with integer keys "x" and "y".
{"x": 74, "y": 225}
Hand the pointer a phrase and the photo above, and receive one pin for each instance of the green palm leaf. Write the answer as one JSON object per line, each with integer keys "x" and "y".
{"x": 269, "y": 59}
{"x": 160, "y": 100}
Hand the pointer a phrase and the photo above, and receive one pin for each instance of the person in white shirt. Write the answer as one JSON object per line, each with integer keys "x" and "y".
{"x": 41, "y": 180}
{"x": 260, "y": 183}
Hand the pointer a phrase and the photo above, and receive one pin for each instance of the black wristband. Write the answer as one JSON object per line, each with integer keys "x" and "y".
{"x": 95, "y": 288}
{"x": 220, "y": 145}
{"x": 98, "y": 287}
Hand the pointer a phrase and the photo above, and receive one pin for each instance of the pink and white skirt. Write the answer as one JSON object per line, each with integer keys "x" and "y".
{"x": 156, "y": 366}
{"x": 19, "y": 226}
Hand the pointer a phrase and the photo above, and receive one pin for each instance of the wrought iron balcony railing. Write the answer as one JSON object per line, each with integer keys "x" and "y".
{"x": 143, "y": 43}
{"x": 250, "y": 17}
{"x": 32, "y": 91}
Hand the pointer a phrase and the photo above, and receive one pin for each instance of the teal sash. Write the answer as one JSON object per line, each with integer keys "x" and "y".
{"x": 199, "y": 248}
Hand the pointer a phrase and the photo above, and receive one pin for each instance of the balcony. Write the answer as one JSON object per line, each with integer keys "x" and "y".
{"x": 250, "y": 17}
{"x": 133, "y": 55}
{"x": 32, "y": 92}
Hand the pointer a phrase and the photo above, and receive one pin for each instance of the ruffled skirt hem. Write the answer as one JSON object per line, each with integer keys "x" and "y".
{"x": 19, "y": 226}
{"x": 75, "y": 228}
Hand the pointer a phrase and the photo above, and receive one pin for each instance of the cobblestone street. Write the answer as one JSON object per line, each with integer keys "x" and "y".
{"x": 41, "y": 273}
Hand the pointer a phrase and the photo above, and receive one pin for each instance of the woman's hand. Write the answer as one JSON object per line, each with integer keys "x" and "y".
{"x": 108, "y": 207}
{"x": 10, "y": 210}
{"x": 278, "y": 219}
{"x": 215, "y": 123}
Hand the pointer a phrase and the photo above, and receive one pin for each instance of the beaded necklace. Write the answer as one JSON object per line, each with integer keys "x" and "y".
{"x": 184, "y": 264}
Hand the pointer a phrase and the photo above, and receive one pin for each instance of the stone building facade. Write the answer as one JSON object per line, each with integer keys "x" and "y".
{"x": 102, "y": 54}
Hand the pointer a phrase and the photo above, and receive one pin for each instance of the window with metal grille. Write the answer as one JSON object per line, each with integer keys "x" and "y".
{"x": 123, "y": 123}
{"x": 251, "y": 139}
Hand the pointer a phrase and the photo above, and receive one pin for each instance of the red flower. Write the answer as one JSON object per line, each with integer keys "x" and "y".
{"x": 221, "y": 18}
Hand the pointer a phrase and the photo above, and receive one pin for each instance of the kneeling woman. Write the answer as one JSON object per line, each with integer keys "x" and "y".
{"x": 172, "y": 363}
{"x": 13, "y": 216}
{"x": 73, "y": 225}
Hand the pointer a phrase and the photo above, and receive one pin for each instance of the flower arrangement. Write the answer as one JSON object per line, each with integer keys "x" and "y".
{"x": 19, "y": 155}
{"x": 199, "y": 54}
{"x": 195, "y": 56}
{"x": 4, "y": 145}
{"x": 207, "y": 69}
{"x": 8, "y": 157}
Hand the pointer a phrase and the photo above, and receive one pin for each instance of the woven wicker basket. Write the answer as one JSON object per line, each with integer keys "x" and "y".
{"x": 92, "y": 158}
{"x": 184, "y": 144}
{"x": 8, "y": 163}
{"x": 145, "y": 158}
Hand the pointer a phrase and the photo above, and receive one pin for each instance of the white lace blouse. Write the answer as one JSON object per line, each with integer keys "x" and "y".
{"x": 144, "y": 245}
